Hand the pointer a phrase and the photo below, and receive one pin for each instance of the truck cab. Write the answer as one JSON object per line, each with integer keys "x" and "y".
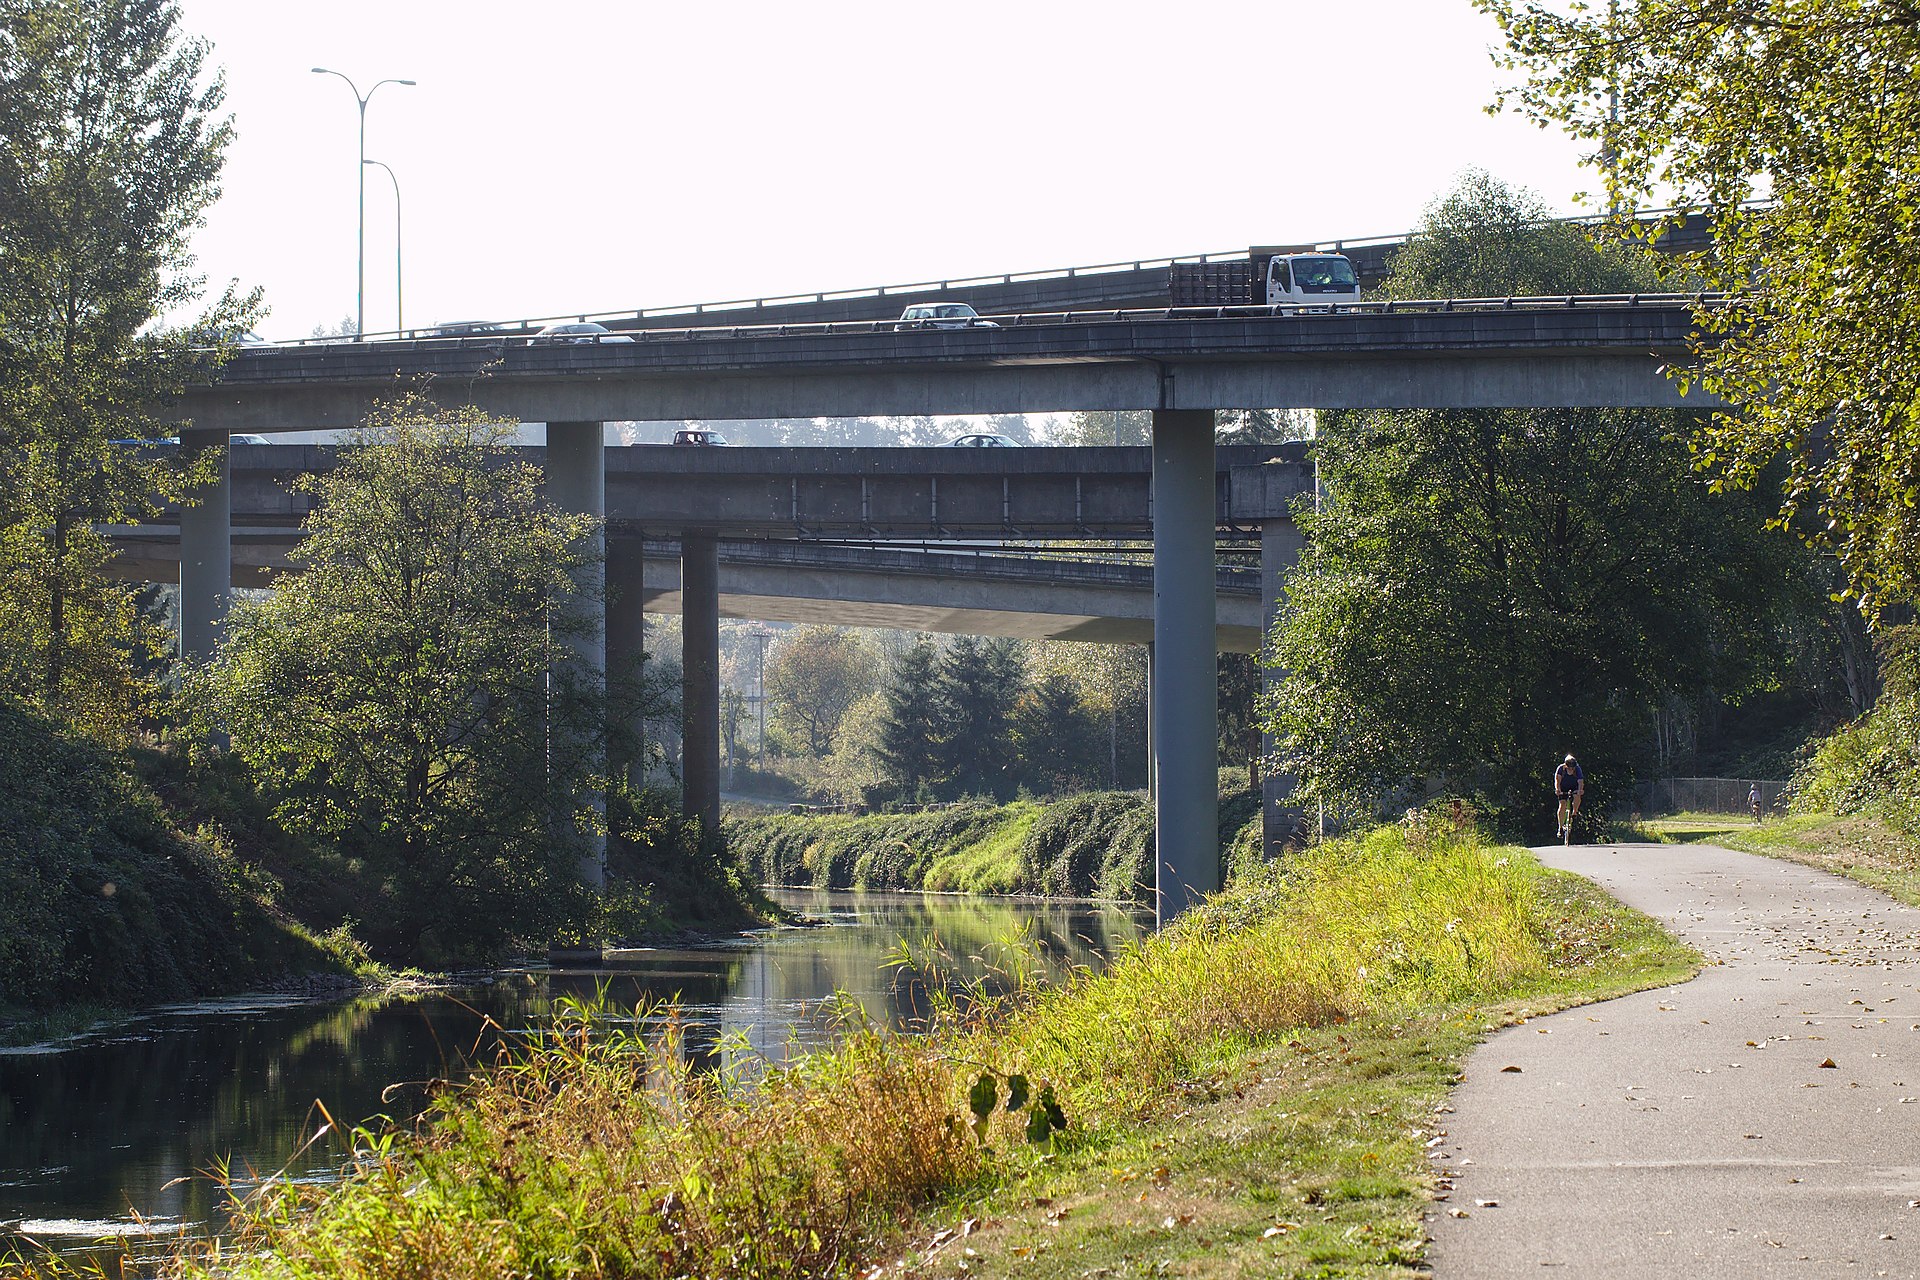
{"x": 1310, "y": 278}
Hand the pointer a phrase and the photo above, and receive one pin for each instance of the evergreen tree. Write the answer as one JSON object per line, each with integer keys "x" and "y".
{"x": 974, "y": 694}
{"x": 906, "y": 743}
{"x": 1056, "y": 741}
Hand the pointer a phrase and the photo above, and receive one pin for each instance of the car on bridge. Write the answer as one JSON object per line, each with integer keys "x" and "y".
{"x": 578, "y": 334}
{"x": 983, "y": 440}
{"x": 698, "y": 436}
{"x": 466, "y": 329}
{"x": 942, "y": 315}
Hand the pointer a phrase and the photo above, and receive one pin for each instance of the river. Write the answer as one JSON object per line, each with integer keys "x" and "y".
{"x": 111, "y": 1135}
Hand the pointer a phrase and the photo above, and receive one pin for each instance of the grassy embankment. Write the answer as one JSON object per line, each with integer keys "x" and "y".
{"x": 1250, "y": 1092}
{"x": 1098, "y": 845}
{"x": 108, "y": 904}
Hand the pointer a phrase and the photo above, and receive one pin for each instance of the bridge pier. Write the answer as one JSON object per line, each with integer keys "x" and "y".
{"x": 577, "y": 483}
{"x": 1185, "y": 718}
{"x": 700, "y": 676}
{"x": 627, "y": 648}
{"x": 206, "y": 550}
{"x": 1281, "y": 543}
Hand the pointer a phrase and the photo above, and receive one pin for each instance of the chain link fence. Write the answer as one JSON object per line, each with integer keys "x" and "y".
{"x": 1707, "y": 795}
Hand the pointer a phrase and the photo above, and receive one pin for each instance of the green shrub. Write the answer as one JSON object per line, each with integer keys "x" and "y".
{"x": 105, "y": 901}
{"x": 1872, "y": 766}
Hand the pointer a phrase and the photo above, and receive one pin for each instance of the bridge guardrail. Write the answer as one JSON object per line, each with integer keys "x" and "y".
{"x": 528, "y": 325}
{"x": 1380, "y": 306}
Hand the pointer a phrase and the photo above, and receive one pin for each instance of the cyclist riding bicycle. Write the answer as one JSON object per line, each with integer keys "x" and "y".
{"x": 1569, "y": 785}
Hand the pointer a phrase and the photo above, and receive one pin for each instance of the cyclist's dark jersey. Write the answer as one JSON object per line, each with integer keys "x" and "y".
{"x": 1567, "y": 780}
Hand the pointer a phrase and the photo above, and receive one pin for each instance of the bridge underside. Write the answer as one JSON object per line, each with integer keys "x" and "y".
{"x": 1023, "y": 599}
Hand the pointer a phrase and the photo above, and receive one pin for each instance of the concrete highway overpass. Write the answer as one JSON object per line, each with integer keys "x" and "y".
{"x": 1505, "y": 353}
{"x": 1181, "y": 366}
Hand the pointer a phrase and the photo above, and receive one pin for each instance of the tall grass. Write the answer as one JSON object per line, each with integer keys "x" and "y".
{"x": 601, "y": 1152}
{"x": 1394, "y": 920}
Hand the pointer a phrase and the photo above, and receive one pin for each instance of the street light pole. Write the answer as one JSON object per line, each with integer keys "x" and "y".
{"x": 361, "y": 321}
{"x": 399, "y": 291}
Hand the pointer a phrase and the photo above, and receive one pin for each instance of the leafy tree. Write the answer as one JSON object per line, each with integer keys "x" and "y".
{"x": 111, "y": 145}
{"x": 733, "y": 709}
{"x": 1238, "y": 682}
{"x": 974, "y": 693}
{"x": 1056, "y": 740}
{"x": 412, "y": 696}
{"x": 1130, "y": 427}
{"x": 814, "y": 674}
{"x": 855, "y": 770}
{"x": 904, "y": 744}
{"x": 1810, "y": 105}
{"x": 1262, "y": 426}
{"x": 1485, "y": 239}
{"x": 1485, "y": 590}
{"x": 1111, "y": 681}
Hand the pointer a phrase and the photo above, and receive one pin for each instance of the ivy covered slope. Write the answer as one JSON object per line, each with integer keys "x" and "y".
{"x": 1098, "y": 845}
{"x": 104, "y": 901}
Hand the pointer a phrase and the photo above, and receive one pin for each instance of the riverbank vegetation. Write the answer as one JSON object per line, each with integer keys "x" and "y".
{"x": 1252, "y": 1088}
{"x": 109, "y": 904}
{"x": 1098, "y": 845}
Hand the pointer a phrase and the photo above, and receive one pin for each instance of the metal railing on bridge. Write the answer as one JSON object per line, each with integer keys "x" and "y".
{"x": 1137, "y": 265}
{"x": 1381, "y": 306}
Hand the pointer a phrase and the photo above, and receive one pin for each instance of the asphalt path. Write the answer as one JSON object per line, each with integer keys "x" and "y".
{"x": 1762, "y": 1119}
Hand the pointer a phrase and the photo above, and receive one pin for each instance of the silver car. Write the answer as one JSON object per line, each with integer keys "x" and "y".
{"x": 942, "y": 315}
{"x": 578, "y": 334}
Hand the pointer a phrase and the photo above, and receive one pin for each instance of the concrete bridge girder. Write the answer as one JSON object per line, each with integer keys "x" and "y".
{"x": 1527, "y": 356}
{"x": 968, "y": 596}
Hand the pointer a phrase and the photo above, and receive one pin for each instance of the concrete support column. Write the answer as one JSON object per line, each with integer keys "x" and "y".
{"x": 627, "y": 651}
{"x": 577, "y": 483}
{"x": 700, "y": 692}
{"x": 1185, "y": 718}
{"x": 1280, "y": 547}
{"x": 206, "y": 551}
{"x": 1152, "y": 774}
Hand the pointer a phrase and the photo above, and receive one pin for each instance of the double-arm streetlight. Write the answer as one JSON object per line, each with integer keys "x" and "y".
{"x": 399, "y": 291}
{"x": 360, "y": 98}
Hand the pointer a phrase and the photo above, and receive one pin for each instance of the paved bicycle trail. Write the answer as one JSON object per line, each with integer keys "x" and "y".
{"x": 1693, "y": 1131}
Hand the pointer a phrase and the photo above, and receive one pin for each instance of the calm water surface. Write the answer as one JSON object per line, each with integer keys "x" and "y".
{"x": 111, "y": 1136}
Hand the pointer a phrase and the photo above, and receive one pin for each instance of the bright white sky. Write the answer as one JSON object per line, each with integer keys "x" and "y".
{"x": 595, "y": 155}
